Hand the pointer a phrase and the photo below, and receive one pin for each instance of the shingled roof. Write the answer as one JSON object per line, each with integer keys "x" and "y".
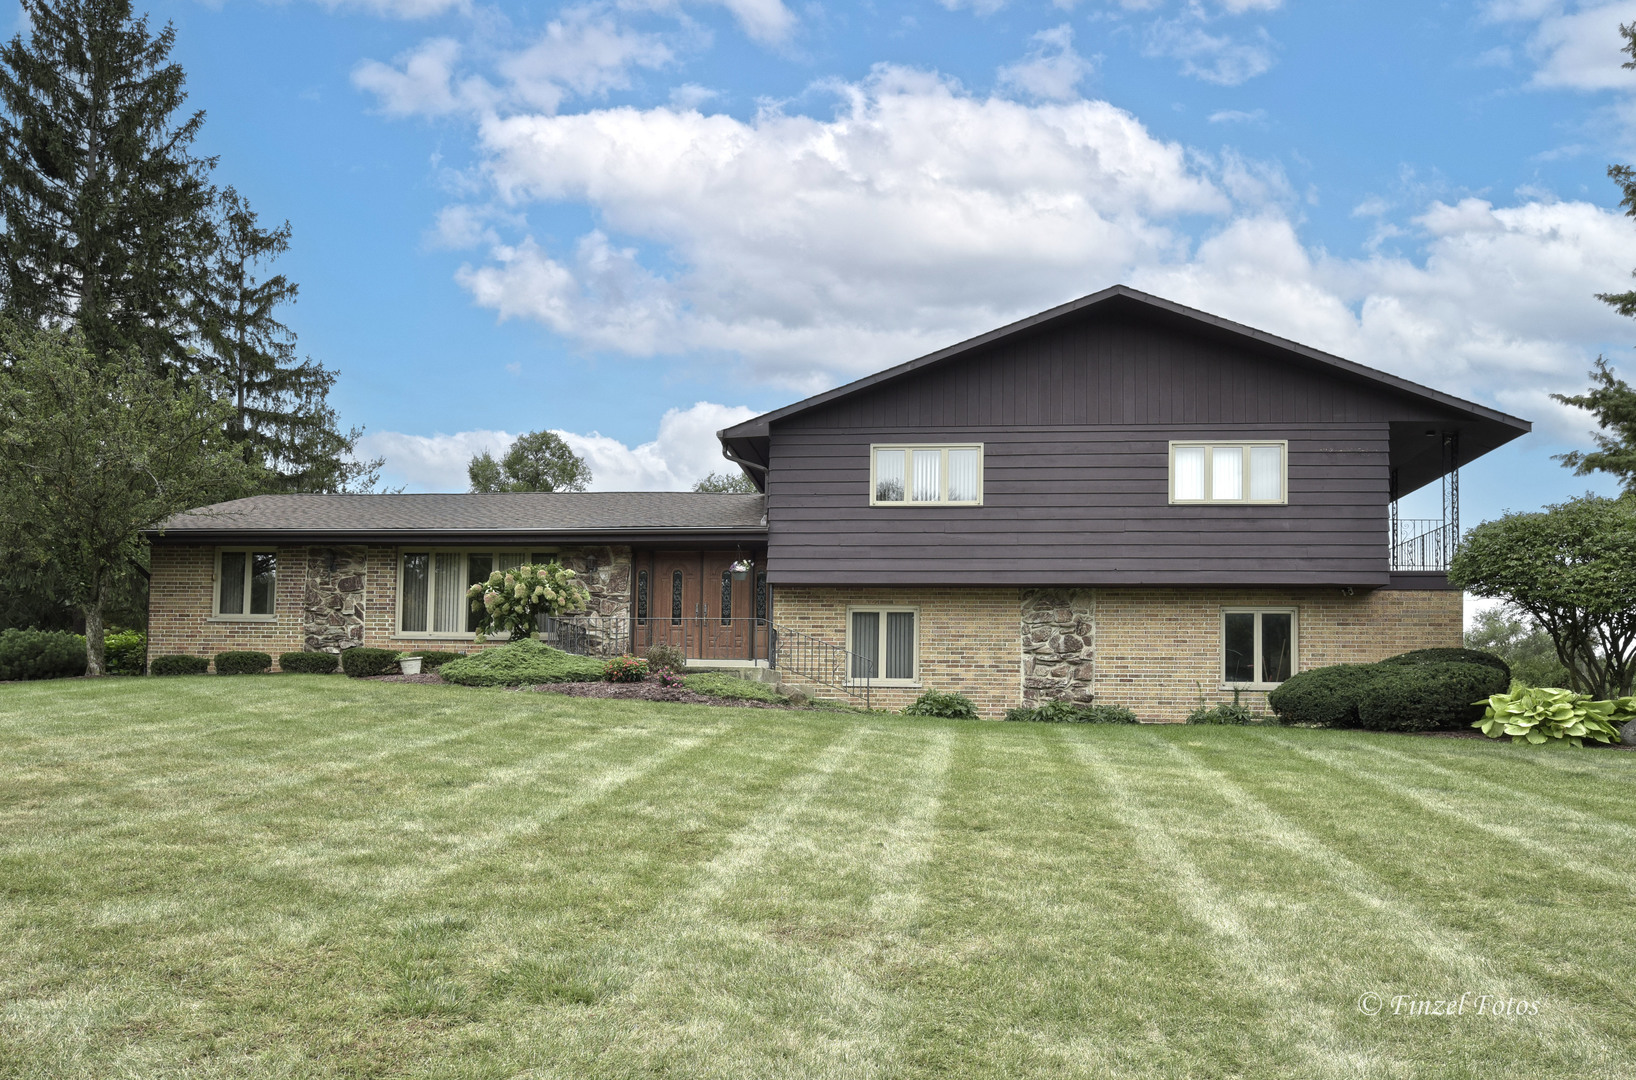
{"x": 588, "y": 516}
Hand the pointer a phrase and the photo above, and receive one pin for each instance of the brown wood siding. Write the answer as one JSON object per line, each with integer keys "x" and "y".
{"x": 1075, "y": 422}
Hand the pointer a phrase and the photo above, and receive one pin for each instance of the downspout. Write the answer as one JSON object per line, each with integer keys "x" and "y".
{"x": 736, "y": 460}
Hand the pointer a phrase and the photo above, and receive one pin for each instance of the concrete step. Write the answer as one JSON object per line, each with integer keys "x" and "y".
{"x": 740, "y": 670}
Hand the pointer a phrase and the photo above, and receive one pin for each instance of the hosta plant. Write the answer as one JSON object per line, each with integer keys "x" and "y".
{"x": 511, "y": 601}
{"x": 1537, "y": 714}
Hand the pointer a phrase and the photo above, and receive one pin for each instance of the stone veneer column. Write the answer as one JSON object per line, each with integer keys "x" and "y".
{"x": 332, "y": 609}
{"x": 1058, "y": 645}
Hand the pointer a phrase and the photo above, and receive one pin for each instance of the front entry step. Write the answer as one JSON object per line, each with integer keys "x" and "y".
{"x": 750, "y": 670}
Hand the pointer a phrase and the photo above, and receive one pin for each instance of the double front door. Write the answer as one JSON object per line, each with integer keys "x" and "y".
{"x": 695, "y": 601}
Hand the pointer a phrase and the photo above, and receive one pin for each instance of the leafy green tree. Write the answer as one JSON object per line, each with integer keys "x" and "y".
{"x": 91, "y": 455}
{"x": 724, "y": 483}
{"x": 106, "y": 210}
{"x": 1526, "y": 648}
{"x": 538, "y": 461}
{"x": 1571, "y": 569}
{"x": 282, "y": 417}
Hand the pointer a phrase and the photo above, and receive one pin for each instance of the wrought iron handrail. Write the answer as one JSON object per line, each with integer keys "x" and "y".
{"x": 1426, "y": 544}
{"x": 822, "y": 662}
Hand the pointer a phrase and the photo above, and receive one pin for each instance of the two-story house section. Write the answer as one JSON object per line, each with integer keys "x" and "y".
{"x": 1120, "y": 499}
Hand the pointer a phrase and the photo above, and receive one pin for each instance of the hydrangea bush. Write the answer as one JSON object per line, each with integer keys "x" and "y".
{"x": 511, "y": 601}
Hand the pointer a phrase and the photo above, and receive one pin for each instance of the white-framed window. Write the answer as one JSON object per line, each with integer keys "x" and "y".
{"x": 1259, "y": 646}
{"x": 246, "y": 583}
{"x": 432, "y": 584}
{"x": 1230, "y": 472}
{"x": 922, "y": 474}
{"x": 884, "y": 643}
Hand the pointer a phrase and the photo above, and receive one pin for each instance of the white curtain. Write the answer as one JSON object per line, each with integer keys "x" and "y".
{"x": 508, "y": 560}
{"x": 1189, "y": 472}
{"x": 448, "y": 593}
{"x": 928, "y": 475}
{"x": 888, "y": 475}
{"x": 963, "y": 476}
{"x": 1227, "y": 472}
{"x": 1267, "y": 472}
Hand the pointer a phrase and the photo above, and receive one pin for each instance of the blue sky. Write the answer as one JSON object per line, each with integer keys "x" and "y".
{"x": 635, "y": 222}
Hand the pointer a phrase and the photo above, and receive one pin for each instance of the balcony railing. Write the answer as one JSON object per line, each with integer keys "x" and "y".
{"x": 1423, "y": 544}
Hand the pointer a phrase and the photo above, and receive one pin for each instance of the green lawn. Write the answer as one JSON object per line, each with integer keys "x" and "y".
{"x": 286, "y": 876}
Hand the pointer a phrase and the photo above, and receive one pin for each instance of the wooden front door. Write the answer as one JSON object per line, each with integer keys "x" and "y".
{"x": 696, "y": 605}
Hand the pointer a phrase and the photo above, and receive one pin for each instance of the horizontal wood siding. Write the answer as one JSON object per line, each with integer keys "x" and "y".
{"x": 1076, "y": 422}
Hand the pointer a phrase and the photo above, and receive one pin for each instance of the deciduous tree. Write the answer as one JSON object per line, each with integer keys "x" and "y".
{"x": 538, "y": 461}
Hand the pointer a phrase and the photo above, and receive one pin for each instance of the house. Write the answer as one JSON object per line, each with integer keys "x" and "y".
{"x": 1120, "y": 499}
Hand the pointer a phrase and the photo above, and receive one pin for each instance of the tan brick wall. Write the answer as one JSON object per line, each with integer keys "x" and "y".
{"x": 970, "y": 638}
{"x": 180, "y": 601}
{"x": 1158, "y": 650}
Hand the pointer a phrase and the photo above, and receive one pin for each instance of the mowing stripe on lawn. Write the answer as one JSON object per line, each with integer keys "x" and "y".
{"x": 1437, "y": 942}
{"x": 1554, "y": 853}
{"x": 1547, "y": 767}
{"x": 1329, "y": 1050}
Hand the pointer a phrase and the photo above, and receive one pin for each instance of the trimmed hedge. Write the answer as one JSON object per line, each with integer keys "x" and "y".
{"x": 1452, "y": 656}
{"x": 431, "y": 659}
{"x": 41, "y": 654}
{"x": 1430, "y": 697}
{"x": 1326, "y": 696}
{"x": 521, "y": 663}
{"x": 179, "y": 665}
{"x": 243, "y": 662}
{"x": 124, "y": 651}
{"x": 942, "y": 703}
{"x": 1066, "y": 712}
{"x": 363, "y": 662}
{"x": 308, "y": 663}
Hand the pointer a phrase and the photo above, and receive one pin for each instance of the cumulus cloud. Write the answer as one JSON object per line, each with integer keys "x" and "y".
{"x": 1223, "y": 58}
{"x": 421, "y": 81}
{"x": 684, "y": 451}
{"x": 1574, "y": 45}
{"x": 1052, "y": 70}
{"x": 401, "y": 9}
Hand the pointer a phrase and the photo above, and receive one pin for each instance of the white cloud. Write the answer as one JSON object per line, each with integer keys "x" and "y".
{"x": 1053, "y": 70}
{"x": 1220, "y": 58}
{"x": 684, "y": 450}
{"x": 1575, "y": 45}
{"x": 1238, "y": 116}
{"x": 766, "y": 21}
{"x": 401, "y": 9}
{"x": 690, "y": 96}
{"x": 422, "y": 82}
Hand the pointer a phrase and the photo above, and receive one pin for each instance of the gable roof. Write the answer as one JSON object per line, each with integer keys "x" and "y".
{"x": 746, "y": 443}
{"x": 580, "y": 516}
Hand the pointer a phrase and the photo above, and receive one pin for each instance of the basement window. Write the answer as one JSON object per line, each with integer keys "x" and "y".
{"x": 1258, "y": 647}
{"x": 884, "y": 645}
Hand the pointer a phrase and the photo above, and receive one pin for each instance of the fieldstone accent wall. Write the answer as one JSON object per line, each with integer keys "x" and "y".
{"x": 1058, "y": 645}
{"x": 606, "y": 572}
{"x": 333, "y": 605}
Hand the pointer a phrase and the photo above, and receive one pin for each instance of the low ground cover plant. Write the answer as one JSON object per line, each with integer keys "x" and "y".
{"x": 1426, "y": 690}
{"x": 40, "y": 654}
{"x": 365, "y": 662}
{"x": 625, "y": 669}
{"x": 1539, "y": 714}
{"x": 124, "y": 652}
{"x": 179, "y": 665}
{"x": 1221, "y": 713}
{"x": 243, "y": 662}
{"x": 1066, "y": 712}
{"x": 942, "y": 703}
{"x": 308, "y": 663}
{"x": 522, "y": 663}
{"x": 431, "y": 659}
{"x": 716, "y": 684}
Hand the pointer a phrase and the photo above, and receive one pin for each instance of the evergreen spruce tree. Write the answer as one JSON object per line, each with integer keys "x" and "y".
{"x": 282, "y": 419}
{"x": 105, "y": 209}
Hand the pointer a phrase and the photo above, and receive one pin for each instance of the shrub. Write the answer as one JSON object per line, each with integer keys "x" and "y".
{"x": 1428, "y": 697}
{"x": 719, "y": 685}
{"x": 179, "y": 665}
{"x": 1538, "y": 714}
{"x": 521, "y": 663}
{"x": 1066, "y": 712}
{"x": 1222, "y": 713}
{"x": 363, "y": 662}
{"x": 124, "y": 652}
{"x": 943, "y": 703}
{"x": 306, "y": 663}
{"x": 1326, "y": 696}
{"x": 625, "y": 669}
{"x": 243, "y": 662}
{"x": 431, "y": 659}
{"x": 1451, "y": 656}
{"x": 666, "y": 658}
{"x": 41, "y": 654}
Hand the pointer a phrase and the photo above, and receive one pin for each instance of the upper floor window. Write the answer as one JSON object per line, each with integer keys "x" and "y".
{"x": 246, "y": 581}
{"x": 432, "y": 587}
{"x": 917, "y": 473}
{"x": 1238, "y": 472}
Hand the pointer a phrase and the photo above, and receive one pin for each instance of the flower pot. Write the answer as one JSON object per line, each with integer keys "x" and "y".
{"x": 409, "y": 665}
